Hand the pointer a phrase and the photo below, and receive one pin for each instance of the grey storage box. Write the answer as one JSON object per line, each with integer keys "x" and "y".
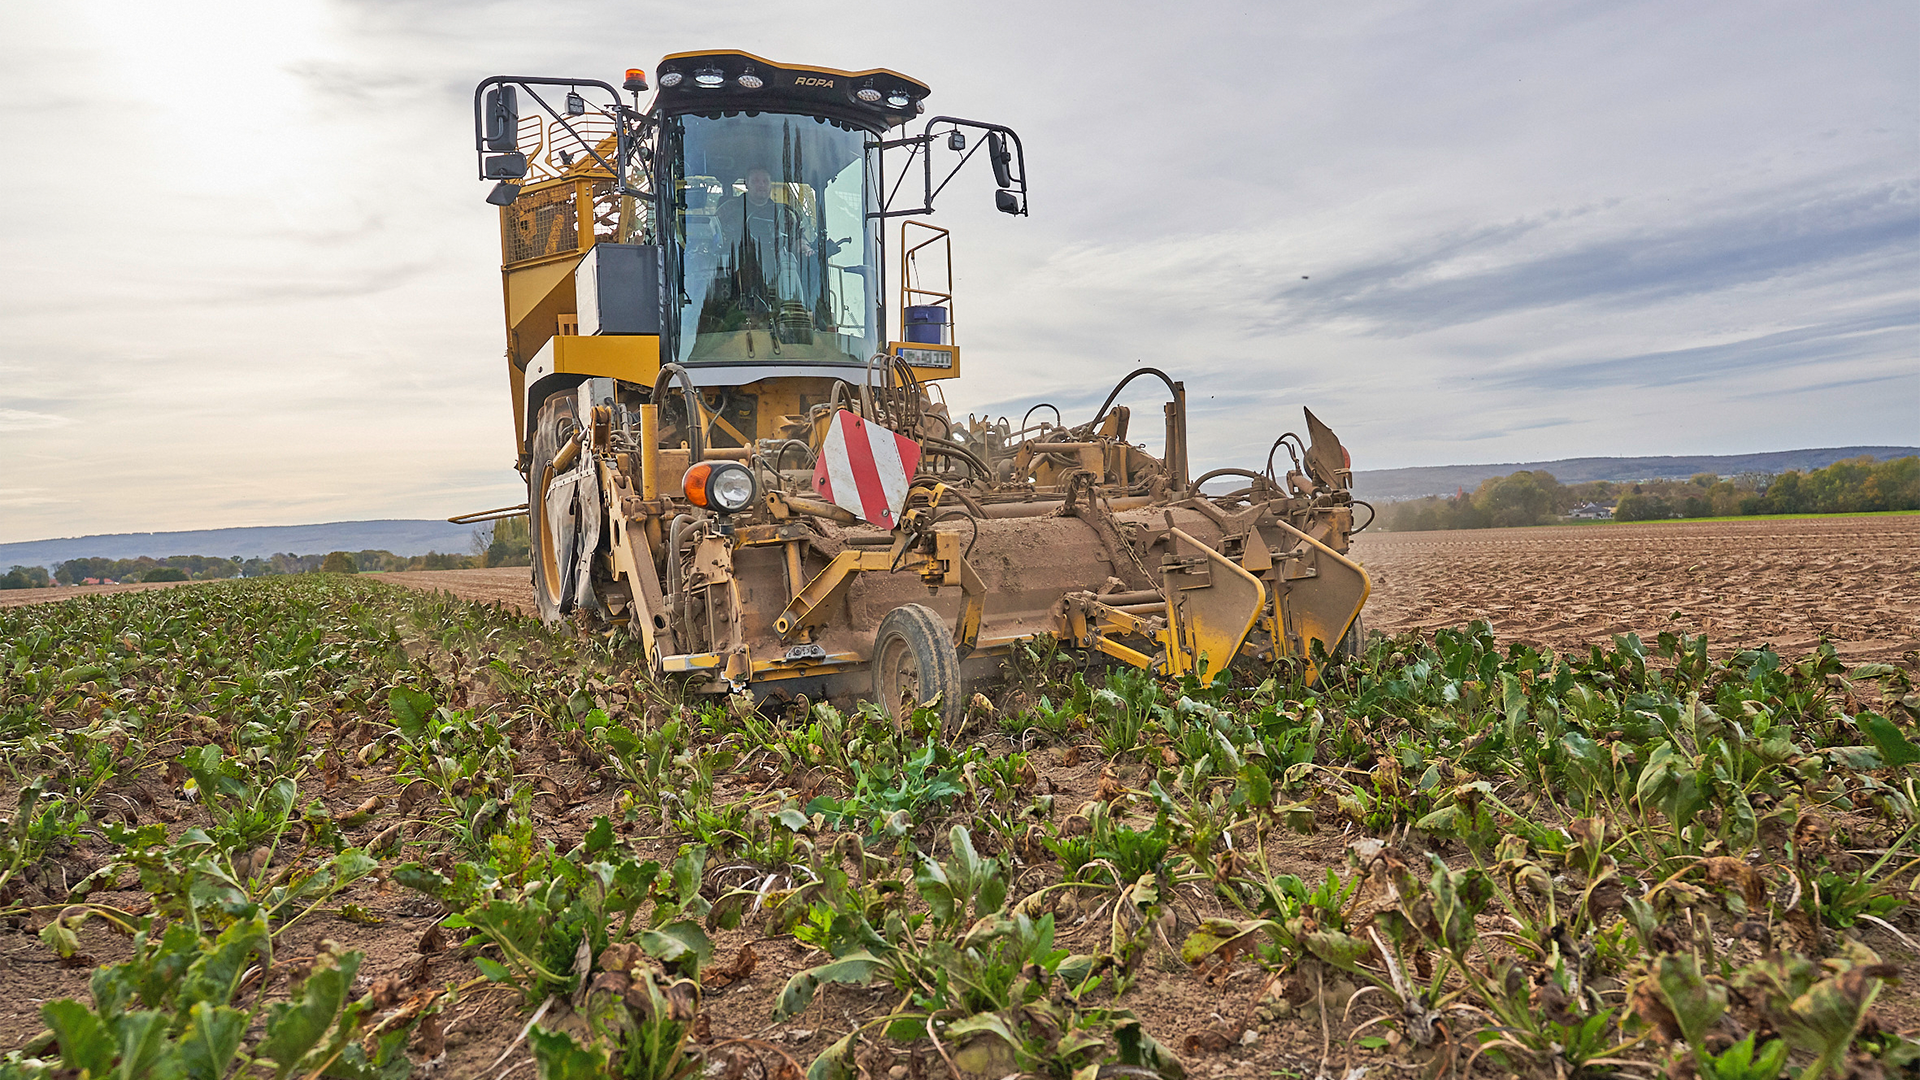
{"x": 617, "y": 289}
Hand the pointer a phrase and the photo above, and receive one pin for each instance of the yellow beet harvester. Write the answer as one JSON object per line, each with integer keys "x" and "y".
{"x": 731, "y": 460}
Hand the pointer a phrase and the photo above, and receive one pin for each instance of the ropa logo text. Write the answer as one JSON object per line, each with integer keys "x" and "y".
{"x": 809, "y": 80}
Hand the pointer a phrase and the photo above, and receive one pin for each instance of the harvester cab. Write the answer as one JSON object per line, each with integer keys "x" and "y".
{"x": 730, "y": 459}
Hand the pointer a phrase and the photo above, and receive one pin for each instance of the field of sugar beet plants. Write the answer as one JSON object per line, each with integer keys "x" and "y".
{"x": 326, "y": 827}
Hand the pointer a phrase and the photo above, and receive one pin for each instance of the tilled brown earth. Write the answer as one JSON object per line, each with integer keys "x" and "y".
{"x": 1779, "y": 582}
{"x": 509, "y": 585}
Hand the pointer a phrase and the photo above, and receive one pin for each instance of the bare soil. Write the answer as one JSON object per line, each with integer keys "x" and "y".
{"x": 509, "y": 585}
{"x": 1785, "y": 583}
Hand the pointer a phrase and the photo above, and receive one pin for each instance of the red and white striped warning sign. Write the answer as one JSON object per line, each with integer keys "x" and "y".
{"x": 864, "y": 469}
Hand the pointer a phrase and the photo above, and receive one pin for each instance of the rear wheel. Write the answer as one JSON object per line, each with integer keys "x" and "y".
{"x": 553, "y": 530}
{"x": 914, "y": 662}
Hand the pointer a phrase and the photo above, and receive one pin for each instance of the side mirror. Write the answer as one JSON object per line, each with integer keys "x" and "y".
{"x": 506, "y": 166}
{"x": 503, "y": 194}
{"x": 997, "y": 154}
{"x": 503, "y": 119}
{"x": 1006, "y": 202}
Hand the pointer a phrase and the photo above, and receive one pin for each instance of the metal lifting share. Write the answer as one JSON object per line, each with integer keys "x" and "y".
{"x": 731, "y": 461}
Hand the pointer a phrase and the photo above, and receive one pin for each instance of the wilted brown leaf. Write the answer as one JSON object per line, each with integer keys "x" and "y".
{"x": 620, "y": 956}
{"x": 1212, "y": 1040}
{"x": 360, "y": 814}
{"x": 613, "y": 982}
{"x": 1648, "y": 1007}
{"x": 742, "y": 967}
{"x": 1726, "y": 870}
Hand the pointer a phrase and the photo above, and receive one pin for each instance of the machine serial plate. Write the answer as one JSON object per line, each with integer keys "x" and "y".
{"x": 927, "y": 358}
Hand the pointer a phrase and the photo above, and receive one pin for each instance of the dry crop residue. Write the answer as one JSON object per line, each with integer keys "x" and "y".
{"x": 1783, "y": 582}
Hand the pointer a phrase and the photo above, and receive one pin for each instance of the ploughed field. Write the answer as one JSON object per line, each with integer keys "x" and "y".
{"x": 1786, "y": 582}
{"x": 323, "y": 826}
{"x": 510, "y": 586}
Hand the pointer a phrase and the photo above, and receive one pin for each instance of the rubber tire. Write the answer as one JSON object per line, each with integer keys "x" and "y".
{"x": 555, "y": 424}
{"x": 1354, "y": 645}
{"x": 913, "y": 652}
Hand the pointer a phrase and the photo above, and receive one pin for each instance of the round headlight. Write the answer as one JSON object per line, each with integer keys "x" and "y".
{"x": 730, "y": 488}
{"x": 724, "y": 486}
{"x": 670, "y": 79}
{"x": 709, "y": 78}
{"x": 750, "y": 81}
{"x": 867, "y": 94}
{"x": 898, "y": 100}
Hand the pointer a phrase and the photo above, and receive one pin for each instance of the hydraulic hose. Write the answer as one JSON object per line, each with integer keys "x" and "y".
{"x": 1248, "y": 473}
{"x": 696, "y": 439}
{"x": 972, "y": 523}
{"x": 1058, "y": 421}
{"x": 780, "y": 453}
{"x": 973, "y": 506}
{"x": 1136, "y": 373}
{"x": 943, "y": 448}
{"x": 1277, "y": 444}
{"x": 673, "y": 561}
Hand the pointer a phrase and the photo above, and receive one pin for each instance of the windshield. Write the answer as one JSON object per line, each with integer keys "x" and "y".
{"x": 776, "y": 260}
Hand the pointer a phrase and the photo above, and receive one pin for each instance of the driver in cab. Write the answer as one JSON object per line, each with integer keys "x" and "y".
{"x": 759, "y": 229}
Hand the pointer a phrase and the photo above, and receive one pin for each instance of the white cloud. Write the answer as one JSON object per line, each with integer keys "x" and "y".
{"x": 26, "y": 420}
{"x": 28, "y": 497}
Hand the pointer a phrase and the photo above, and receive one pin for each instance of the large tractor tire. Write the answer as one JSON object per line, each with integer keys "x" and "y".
{"x": 915, "y": 662}
{"x": 552, "y": 536}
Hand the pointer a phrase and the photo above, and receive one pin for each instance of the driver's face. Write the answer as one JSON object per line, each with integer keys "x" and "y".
{"x": 759, "y": 185}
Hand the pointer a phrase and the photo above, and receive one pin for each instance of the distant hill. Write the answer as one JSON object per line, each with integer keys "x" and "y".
{"x": 398, "y": 536}
{"x": 1414, "y": 483}
{"x": 418, "y": 537}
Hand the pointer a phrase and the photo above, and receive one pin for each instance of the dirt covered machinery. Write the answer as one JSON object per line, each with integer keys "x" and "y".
{"x": 730, "y": 460}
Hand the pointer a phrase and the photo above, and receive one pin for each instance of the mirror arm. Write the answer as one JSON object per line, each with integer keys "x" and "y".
{"x": 619, "y": 174}
{"x": 922, "y": 143}
{"x": 623, "y": 138}
{"x": 916, "y": 142}
{"x": 934, "y": 192}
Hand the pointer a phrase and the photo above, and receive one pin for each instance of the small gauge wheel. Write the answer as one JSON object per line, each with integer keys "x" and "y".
{"x": 915, "y": 663}
{"x": 1354, "y": 645}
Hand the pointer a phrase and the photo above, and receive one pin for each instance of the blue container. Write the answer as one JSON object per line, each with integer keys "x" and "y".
{"x": 926, "y": 324}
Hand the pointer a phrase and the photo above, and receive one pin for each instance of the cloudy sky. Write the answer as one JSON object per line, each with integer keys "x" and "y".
{"x": 251, "y": 280}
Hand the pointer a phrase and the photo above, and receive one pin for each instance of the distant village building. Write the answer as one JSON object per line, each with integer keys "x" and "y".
{"x": 1591, "y": 512}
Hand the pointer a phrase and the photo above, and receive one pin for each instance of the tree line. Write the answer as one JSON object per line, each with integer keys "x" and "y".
{"x": 1852, "y": 486}
{"x": 503, "y": 543}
